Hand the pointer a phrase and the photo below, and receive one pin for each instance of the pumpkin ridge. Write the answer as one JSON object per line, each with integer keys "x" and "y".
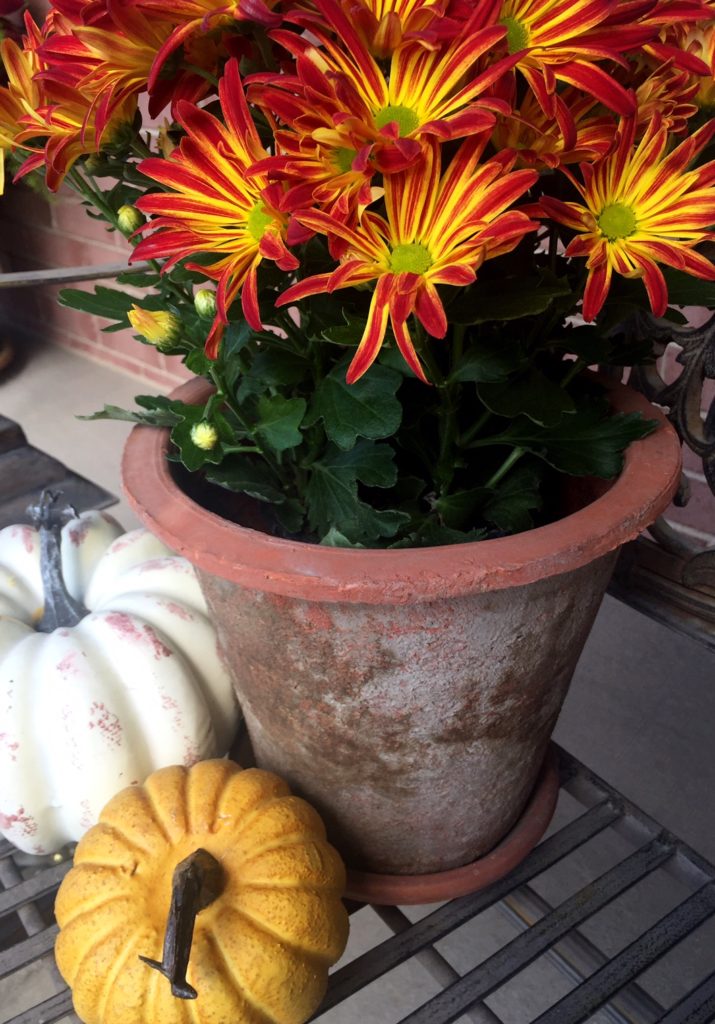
{"x": 155, "y": 803}
{"x": 198, "y": 778}
{"x": 72, "y": 980}
{"x": 323, "y": 959}
{"x": 285, "y": 841}
{"x": 129, "y": 712}
{"x": 132, "y": 846}
{"x": 115, "y": 970}
{"x": 90, "y": 907}
{"x": 212, "y": 940}
{"x": 247, "y": 820}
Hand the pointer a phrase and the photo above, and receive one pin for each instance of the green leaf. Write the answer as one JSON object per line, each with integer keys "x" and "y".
{"x": 531, "y": 394}
{"x": 332, "y": 492}
{"x": 368, "y": 408}
{"x": 198, "y": 363}
{"x": 511, "y": 504}
{"x": 433, "y": 533}
{"x": 138, "y": 278}
{"x": 589, "y": 442}
{"x": 457, "y": 509}
{"x": 686, "y": 290}
{"x": 489, "y": 361}
{"x": 512, "y": 298}
{"x": 335, "y": 539}
{"x": 291, "y": 516}
{"x": 348, "y": 333}
{"x": 247, "y": 476}
{"x": 274, "y": 367}
{"x": 106, "y": 302}
{"x": 278, "y": 421}
{"x": 151, "y": 419}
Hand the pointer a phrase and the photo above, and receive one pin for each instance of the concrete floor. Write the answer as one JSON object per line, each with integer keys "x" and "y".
{"x": 640, "y": 712}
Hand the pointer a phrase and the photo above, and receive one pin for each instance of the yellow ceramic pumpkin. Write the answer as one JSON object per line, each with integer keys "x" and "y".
{"x": 270, "y": 921}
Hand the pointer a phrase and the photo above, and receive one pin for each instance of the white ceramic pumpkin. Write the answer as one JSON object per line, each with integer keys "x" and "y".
{"x": 136, "y": 683}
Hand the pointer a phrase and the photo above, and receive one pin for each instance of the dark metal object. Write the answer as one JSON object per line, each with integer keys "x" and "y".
{"x": 667, "y": 577}
{"x": 66, "y": 275}
{"x": 197, "y": 881}
{"x": 599, "y": 982}
{"x": 60, "y": 608}
{"x": 25, "y": 472}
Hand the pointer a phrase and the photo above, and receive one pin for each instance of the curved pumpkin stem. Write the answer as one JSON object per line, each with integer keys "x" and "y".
{"x": 197, "y": 881}
{"x": 60, "y": 608}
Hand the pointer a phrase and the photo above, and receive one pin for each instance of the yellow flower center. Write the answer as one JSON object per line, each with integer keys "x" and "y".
{"x": 617, "y": 221}
{"x": 517, "y": 34}
{"x": 343, "y": 158}
{"x": 407, "y": 120}
{"x": 410, "y": 258}
{"x": 257, "y": 221}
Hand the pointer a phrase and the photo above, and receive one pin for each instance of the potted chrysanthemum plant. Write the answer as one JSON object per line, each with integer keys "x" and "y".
{"x": 390, "y": 238}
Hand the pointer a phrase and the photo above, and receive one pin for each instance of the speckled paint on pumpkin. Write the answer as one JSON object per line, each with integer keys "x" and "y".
{"x": 260, "y": 952}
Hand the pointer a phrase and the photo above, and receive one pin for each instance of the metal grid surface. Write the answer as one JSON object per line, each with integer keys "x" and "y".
{"x": 600, "y": 854}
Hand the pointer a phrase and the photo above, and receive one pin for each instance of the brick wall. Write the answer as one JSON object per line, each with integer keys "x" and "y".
{"x": 39, "y": 234}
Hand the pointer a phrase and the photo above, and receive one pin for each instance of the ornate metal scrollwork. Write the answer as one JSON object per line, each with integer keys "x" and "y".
{"x": 668, "y": 576}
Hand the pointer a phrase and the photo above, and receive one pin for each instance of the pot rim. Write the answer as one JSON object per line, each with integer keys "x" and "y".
{"x": 399, "y": 576}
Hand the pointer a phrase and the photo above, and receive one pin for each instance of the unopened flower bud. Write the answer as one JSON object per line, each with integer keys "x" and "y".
{"x": 205, "y": 303}
{"x": 204, "y": 436}
{"x": 129, "y": 219}
{"x": 158, "y": 327}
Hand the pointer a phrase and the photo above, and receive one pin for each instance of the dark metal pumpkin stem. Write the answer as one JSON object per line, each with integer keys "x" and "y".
{"x": 60, "y": 608}
{"x": 196, "y": 883}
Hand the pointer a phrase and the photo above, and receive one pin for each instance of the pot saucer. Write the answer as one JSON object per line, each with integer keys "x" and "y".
{"x": 407, "y": 890}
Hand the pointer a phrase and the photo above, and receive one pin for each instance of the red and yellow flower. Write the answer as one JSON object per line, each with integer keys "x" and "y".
{"x": 641, "y": 207}
{"x": 439, "y": 230}
{"x": 342, "y": 99}
{"x": 538, "y": 139}
{"x": 215, "y": 207}
{"x": 21, "y": 96}
{"x": 383, "y": 25}
{"x": 564, "y": 41}
{"x": 199, "y": 17}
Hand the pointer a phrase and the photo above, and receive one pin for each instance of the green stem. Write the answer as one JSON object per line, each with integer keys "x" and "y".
{"x": 232, "y": 449}
{"x": 469, "y": 435}
{"x": 511, "y": 459}
{"x": 201, "y": 72}
{"x": 573, "y": 371}
{"x": 95, "y": 197}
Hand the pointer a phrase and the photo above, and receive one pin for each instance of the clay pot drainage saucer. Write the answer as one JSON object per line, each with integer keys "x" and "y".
{"x": 406, "y": 890}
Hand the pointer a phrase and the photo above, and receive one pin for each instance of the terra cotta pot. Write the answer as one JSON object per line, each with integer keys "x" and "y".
{"x": 409, "y": 694}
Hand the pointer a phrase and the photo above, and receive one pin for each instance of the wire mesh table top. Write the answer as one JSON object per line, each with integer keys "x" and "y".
{"x": 611, "y": 918}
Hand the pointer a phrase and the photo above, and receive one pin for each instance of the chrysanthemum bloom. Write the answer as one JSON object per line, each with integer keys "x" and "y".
{"x": 216, "y": 208}
{"x": 439, "y": 230}
{"x": 670, "y": 94}
{"x": 111, "y": 62}
{"x": 21, "y": 96}
{"x": 384, "y": 25}
{"x": 563, "y": 42}
{"x": 642, "y": 206}
{"x": 201, "y": 16}
{"x": 343, "y": 100}
{"x": 538, "y": 140}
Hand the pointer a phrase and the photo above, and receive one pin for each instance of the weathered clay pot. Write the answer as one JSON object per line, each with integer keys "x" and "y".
{"x": 409, "y": 694}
